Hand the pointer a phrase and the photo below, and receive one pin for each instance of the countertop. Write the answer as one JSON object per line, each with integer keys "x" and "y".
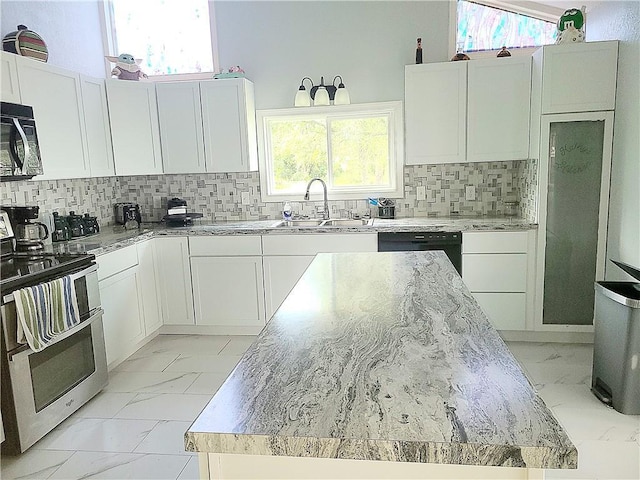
{"x": 382, "y": 356}
{"x": 112, "y": 238}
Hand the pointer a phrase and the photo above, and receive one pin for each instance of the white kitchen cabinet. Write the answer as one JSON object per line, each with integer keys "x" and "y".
{"x": 98, "y": 131}
{"x": 228, "y": 291}
{"x": 208, "y": 126}
{"x": 498, "y": 268}
{"x": 9, "y": 87}
{"x": 181, "y": 133}
{"x": 227, "y": 278}
{"x": 174, "y": 280}
{"x": 229, "y": 123}
{"x": 149, "y": 285}
{"x": 579, "y": 77}
{"x": 286, "y": 257}
{"x": 281, "y": 273}
{"x": 135, "y": 134}
{"x": 499, "y": 91}
{"x": 120, "y": 293}
{"x": 56, "y": 97}
{"x": 435, "y": 113}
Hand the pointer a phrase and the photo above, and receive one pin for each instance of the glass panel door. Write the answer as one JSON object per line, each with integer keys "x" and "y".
{"x": 573, "y": 199}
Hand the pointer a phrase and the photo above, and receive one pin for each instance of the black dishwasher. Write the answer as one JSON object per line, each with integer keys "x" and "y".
{"x": 449, "y": 242}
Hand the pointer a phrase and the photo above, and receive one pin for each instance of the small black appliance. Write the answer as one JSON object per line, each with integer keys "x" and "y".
{"x": 177, "y": 215}
{"x": 127, "y": 214}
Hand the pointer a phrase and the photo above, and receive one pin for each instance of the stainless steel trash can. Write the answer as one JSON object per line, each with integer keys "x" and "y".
{"x": 615, "y": 379}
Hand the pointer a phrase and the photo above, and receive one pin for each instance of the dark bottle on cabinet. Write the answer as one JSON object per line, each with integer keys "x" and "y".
{"x": 419, "y": 51}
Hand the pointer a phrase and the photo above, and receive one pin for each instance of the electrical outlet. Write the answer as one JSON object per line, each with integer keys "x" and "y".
{"x": 245, "y": 198}
{"x": 157, "y": 202}
{"x": 421, "y": 192}
{"x": 470, "y": 192}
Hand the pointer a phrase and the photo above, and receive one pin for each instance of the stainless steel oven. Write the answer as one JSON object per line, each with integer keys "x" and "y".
{"x": 41, "y": 389}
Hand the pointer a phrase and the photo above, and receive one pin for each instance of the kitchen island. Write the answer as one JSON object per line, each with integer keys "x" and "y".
{"x": 378, "y": 365}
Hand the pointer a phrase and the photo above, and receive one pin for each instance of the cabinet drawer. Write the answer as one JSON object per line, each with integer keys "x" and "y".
{"x": 118, "y": 261}
{"x": 506, "y": 311}
{"x": 319, "y": 243}
{"x": 495, "y": 272}
{"x": 494, "y": 242}
{"x": 233, "y": 245}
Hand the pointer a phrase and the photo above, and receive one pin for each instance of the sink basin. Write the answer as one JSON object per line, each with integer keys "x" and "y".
{"x": 307, "y": 222}
{"x": 347, "y": 222}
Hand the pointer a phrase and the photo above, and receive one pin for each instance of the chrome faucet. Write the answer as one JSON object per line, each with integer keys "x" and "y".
{"x": 325, "y": 215}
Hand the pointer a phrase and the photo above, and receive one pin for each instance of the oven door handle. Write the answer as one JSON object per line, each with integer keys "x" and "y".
{"x": 26, "y": 351}
{"x": 74, "y": 276}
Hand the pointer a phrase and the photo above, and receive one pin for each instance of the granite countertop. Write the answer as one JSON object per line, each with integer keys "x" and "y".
{"x": 112, "y": 238}
{"x": 382, "y": 356}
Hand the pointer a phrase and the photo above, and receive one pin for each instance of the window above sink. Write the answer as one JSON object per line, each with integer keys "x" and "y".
{"x": 357, "y": 149}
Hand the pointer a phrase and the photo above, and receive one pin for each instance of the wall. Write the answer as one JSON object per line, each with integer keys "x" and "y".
{"x": 72, "y": 30}
{"x": 367, "y": 43}
{"x": 610, "y": 21}
{"x": 217, "y": 196}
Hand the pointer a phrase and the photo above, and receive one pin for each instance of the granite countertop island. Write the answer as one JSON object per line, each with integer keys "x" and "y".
{"x": 112, "y": 237}
{"x": 382, "y": 360}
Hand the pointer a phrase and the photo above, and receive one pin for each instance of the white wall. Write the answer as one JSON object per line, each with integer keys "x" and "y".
{"x": 368, "y": 43}
{"x": 72, "y": 30}
{"x": 620, "y": 20}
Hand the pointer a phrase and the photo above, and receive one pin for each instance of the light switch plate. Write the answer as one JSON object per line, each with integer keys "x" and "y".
{"x": 470, "y": 192}
{"x": 421, "y": 192}
{"x": 245, "y": 198}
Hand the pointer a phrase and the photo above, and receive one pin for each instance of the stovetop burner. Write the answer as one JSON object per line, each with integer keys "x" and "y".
{"x": 25, "y": 268}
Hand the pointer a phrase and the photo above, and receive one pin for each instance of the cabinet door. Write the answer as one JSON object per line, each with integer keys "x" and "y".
{"x": 123, "y": 319}
{"x": 56, "y": 99}
{"x": 134, "y": 127}
{"x": 498, "y": 109}
{"x": 225, "y": 117}
{"x": 495, "y": 272}
{"x": 281, "y": 273}
{"x": 435, "y": 112}
{"x": 96, "y": 120}
{"x": 593, "y": 65}
{"x": 174, "y": 280}
{"x": 505, "y": 311}
{"x": 9, "y": 88}
{"x": 180, "y": 127}
{"x": 149, "y": 286}
{"x": 228, "y": 291}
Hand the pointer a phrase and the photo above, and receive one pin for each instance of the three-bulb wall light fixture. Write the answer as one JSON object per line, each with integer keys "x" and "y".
{"x": 322, "y": 94}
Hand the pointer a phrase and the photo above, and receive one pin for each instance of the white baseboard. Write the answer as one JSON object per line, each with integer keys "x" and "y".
{"x": 557, "y": 337}
{"x": 209, "y": 330}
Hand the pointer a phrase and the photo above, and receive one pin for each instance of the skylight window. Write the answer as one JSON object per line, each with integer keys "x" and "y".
{"x": 481, "y": 27}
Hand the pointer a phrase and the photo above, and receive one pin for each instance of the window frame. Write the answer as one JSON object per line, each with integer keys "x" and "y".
{"x": 393, "y": 109}
{"x": 546, "y": 13}
{"x": 110, "y": 42}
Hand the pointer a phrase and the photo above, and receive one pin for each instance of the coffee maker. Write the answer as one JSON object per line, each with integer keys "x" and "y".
{"x": 29, "y": 234}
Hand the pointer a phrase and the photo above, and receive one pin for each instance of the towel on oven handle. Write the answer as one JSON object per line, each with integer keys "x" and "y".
{"x": 46, "y": 311}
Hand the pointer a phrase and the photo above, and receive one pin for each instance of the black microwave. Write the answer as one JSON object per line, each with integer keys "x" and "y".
{"x": 20, "y": 154}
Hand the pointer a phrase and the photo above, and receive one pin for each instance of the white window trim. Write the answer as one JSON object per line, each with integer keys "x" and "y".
{"x": 396, "y": 126}
{"x": 110, "y": 46}
{"x": 530, "y": 9}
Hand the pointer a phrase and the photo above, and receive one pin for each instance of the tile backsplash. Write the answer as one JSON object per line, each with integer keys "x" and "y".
{"x": 218, "y": 196}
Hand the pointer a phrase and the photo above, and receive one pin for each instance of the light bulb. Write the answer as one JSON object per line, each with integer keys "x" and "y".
{"x": 342, "y": 97}
{"x": 321, "y": 96}
{"x": 302, "y": 98}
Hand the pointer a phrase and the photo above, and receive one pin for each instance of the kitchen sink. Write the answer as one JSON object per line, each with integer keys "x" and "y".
{"x": 333, "y": 222}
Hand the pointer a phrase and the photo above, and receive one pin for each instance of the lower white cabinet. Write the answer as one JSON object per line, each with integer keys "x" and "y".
{"x": 228, "y": 291}
{"x": 174, "y": 280}
{"x": 149, "y": 285}
{"x": 498, "y": 269}
{"x": 121, "y": 297}
{"x": 280, "y": 276}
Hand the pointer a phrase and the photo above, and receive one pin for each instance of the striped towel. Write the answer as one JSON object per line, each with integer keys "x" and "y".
{"x": 46, "y": 311}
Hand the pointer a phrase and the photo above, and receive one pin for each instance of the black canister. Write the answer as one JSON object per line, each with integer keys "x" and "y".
{"x": 76, "y": 224}
{"x": 61, "y": 230}
{"x": 388, "y": 211}
{"x": 90, "y": 224}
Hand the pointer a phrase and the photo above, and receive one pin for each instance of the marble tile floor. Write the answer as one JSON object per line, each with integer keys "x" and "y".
{"x": 134, "y": 428}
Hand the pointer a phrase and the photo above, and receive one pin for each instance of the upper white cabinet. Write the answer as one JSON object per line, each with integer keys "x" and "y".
{"x": 56, "y": 98}
{"x": 135, "y": 133}
{"x": 96, "y": 120}
{"x": 579, "y": 77}
{"x": 9, "y": 88}
{"x": 207, "y": 126}
{"x": 435, "y": 112}
{"x": 499, "y": 91}
{"x": 229, "y": 120}
{"x": 180, "y": 118}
